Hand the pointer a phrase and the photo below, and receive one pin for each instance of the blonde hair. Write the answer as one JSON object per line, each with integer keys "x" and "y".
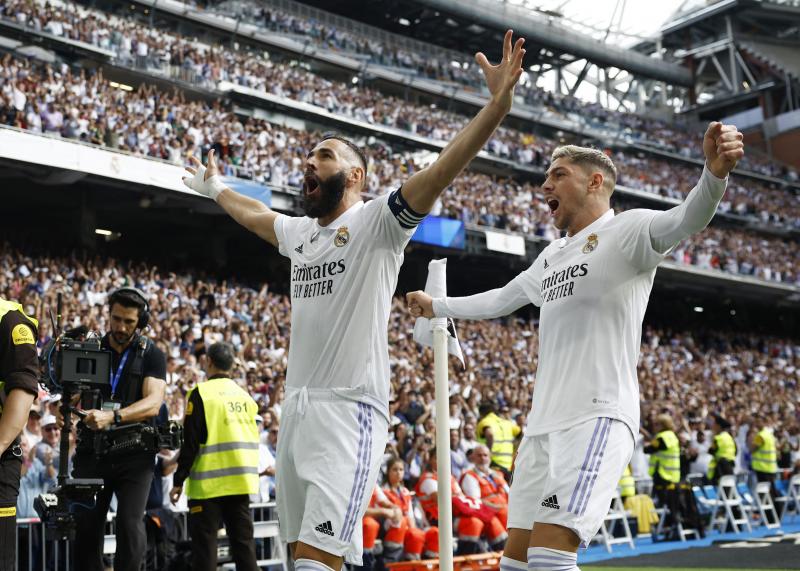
{"x": 666, "y": 421}
{"x": 592, "y": 158}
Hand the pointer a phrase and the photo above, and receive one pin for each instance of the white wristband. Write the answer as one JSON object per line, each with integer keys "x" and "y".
{"x": 211, "y": 187}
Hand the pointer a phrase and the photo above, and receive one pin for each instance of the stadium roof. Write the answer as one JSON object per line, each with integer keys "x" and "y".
{"x": 618, "y": 22}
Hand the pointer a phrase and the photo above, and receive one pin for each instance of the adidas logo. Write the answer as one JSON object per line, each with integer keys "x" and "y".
{"x": 546, "y": 265}
{"x": 299, "y": 249}
{"x": 551, "y": 502}
{"x": 325, "y": 528}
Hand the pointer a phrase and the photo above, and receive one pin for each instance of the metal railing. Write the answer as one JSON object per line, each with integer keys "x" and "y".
{"x": 38, "y": 553}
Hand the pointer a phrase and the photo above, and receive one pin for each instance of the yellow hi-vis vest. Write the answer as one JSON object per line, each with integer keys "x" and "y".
{"x": 503, "y": 444}
{"x": 726, "y": 450}
{"x": 227, "y": 464}
{"x": 667, "y": 462}
{"x": 765, "y": 458}
{"x": 6, "y": 307}
{"x": 627, "y": 484}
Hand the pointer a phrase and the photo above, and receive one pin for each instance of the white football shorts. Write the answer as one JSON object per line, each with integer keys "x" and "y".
{"x": 569, "y": 477}
{"x": 329, "y": 454}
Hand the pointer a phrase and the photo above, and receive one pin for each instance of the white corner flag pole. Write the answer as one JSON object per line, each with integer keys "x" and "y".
{"x": 440, "y": 362}
{"x": 435, "y": 333}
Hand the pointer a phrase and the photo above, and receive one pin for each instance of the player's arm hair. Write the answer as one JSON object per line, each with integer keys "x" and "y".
{"x": 250, "y": 213}
{"x": 15, "y": 414}
{"x": 153, "y": 391}
{"x": 424, "y": 187}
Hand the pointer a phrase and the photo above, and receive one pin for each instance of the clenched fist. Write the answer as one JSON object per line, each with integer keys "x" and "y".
{"x": 420, "y": 304}
{"x": 723, "y": 148}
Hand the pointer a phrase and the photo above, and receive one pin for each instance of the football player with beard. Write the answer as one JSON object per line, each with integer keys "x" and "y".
{"x": 345, "y": 257}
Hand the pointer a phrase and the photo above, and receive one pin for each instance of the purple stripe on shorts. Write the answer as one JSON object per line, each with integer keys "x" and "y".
{"x": 590, "y": 471}
{"x": 554, "y": 558}
{"x": 347, "y": 533}
{"x": 585, "y": 465}
{"x": 551, "y": 563}
{"x": 359, "y": 465}
{"x": 597, "y": 470}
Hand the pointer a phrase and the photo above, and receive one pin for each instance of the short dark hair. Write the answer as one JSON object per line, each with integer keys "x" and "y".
{"x": 222, "y": 356}
{"x": 352, "y": 146}
{"x": 127, "y": 298}
{"x": 486, "y": 407}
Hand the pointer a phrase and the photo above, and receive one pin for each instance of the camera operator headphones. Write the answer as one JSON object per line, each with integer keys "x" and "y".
{"x": 129, "y": 292}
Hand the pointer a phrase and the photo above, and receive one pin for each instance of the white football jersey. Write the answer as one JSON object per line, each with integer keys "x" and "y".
{"x": 342, "y": 282}
{"x": 593, "y": 290}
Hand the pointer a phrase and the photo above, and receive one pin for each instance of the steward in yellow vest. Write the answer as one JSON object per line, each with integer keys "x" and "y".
{"x": 723, "y": 450}
{"x": 764, "y": 457}
{"x": 220, "y": 457}
{"x": 19, "y": 385}
{"x": 627, "y": 484}
{"x": 498, "y": 435}
{"x": 665, "y": 460}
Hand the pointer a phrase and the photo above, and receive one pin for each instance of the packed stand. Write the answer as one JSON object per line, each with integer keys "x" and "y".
{"x": 196, "y": 62}
{"x": 79, "y": 105}
{"x": 672, "y": 137}
{"x": 206, "y": 65}
{"x": 691, "y": 375}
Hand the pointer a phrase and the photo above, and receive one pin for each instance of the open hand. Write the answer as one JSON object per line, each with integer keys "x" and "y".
{"x": 723, "y": 148}
{"x": 501, "y": 78}
{"x": 205, "y": 180}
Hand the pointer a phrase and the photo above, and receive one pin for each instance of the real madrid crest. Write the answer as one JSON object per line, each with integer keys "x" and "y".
{"x": 342, "y": 237}
{"x": 591, "y": 244}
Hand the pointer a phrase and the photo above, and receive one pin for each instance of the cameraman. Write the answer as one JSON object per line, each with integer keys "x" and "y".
{"x": 138, "y": 370}
{"x": 19, "y": 385}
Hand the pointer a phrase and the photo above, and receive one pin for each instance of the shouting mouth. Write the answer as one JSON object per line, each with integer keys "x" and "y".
{"x": 310, "y": 185}
{"x": 553, "y": 204}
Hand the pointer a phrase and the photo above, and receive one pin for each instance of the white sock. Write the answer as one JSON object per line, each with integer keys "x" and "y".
{"x": 310, "y": 565}
{"x": 546, "y": 559}
{"x": 508, "y": 564}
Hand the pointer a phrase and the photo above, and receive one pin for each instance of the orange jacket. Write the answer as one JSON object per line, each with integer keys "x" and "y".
{"x": 493, "y": 487}
{"x": 400, "y": 497}
{"x": 430, "y": 503}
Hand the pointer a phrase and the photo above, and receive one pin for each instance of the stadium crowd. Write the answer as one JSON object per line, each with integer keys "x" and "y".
{"x": 689, "y": 375}
{"x": 191, "y": 60}
{"x": 80, "y": 105}
{"x": 672, "y": 137}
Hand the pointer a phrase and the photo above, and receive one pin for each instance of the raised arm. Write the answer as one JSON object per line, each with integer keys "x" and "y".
{"x": 723, "y": 147}
{"x": 424, "y": 187}
{"x": 250, "y": 213}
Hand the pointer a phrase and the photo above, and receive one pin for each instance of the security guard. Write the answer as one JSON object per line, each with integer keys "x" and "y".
{"x": 220, "y": 457}
{"x": 665, "y": 453}
{"x": 498, "y": 435}
{"x": 18, "y": 388}
{"x": 723, "y": 450}
{"x": 764, "y": 459}
{"x": 135, "y": 394}
{"x": 627, "y": 484}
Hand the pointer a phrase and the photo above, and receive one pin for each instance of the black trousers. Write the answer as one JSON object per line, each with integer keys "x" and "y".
{"x": 205, "y": 517}
{"x": 10, "y": 467}
{"x": 767, "y": 477}
{"x": 130, "y": 481}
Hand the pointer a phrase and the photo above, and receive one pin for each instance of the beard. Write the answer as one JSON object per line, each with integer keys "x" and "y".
{"x": 328, "y": 197}
{"x": 122, "y": 338}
